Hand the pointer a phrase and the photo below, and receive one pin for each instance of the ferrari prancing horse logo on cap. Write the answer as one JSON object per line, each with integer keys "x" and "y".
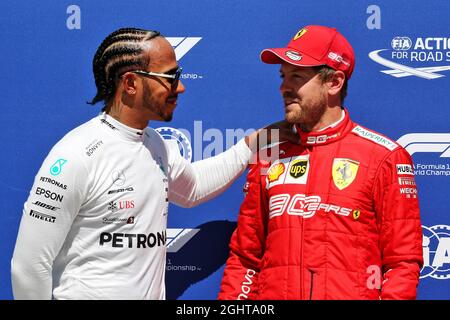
{"x": 344, "y": 172}
{"x": 300, "y": 33}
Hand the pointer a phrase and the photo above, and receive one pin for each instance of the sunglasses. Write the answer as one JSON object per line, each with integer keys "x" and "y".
{"x": 172, "y": 78}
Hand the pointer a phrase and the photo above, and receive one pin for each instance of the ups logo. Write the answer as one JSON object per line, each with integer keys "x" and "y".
{"x": 298, "y": 168}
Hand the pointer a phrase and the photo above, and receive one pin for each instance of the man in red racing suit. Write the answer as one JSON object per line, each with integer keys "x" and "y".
{"x": 336, "y": 217}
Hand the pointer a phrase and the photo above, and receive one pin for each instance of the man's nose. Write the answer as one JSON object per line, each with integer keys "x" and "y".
{"x": 180, "y": 88}
{"x": 284, "y": 87}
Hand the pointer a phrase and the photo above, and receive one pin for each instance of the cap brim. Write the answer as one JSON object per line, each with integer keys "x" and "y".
{"x": 292, "y": 56}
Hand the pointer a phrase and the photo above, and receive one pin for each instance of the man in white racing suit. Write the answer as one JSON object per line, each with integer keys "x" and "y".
{"x": 94, "y": 224}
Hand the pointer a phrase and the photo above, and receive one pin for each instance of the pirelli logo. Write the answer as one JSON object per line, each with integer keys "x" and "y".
{"x": 42, "y": 216}
{"x": 372, "y": 136}
{"x": 406, "y": 181}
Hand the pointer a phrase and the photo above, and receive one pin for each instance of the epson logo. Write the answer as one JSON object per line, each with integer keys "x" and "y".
{"x": 54, "y": 182}
{"x": 132, "y": 240}
{"x": 46, "y": 206}
{"x": 42, "y": 216}
{"x": 49, "y": 194}
{"x": 120, "y": 190}
{"x": 405, "y": 169}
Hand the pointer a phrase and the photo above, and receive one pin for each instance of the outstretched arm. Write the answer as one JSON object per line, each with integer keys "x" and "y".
{"x": 191, "y": 184}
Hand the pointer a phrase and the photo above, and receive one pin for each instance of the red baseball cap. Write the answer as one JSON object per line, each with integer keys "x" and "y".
{"x": 315, "y": 46}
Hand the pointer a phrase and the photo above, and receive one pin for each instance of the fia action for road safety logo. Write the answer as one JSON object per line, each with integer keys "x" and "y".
{"x": 344, "y": 172}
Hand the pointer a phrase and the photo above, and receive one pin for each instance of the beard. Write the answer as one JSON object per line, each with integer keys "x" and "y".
{"x": 163, "y": 112}
{"x": 307, "y": 113}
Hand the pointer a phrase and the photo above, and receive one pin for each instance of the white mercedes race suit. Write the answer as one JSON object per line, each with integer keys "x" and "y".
{"x": 94, "y": 224}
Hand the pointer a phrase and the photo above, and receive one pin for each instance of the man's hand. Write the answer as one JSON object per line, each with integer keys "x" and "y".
{"x": 280, "y": 131}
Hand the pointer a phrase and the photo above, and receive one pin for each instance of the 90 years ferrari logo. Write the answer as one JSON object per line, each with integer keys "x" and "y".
{"x": 344, "y": 172}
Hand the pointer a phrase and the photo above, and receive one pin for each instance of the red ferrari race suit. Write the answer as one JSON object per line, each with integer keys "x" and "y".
{"x": 336, "y": 217}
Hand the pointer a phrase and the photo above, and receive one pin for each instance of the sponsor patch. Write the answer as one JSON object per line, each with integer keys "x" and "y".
{"x": 406, "y": 181}
{"x": 275, "y": 172}
{"x": 336, "y": 57}
{"x": 409, "y": 192}
{"x": 49, "y": 194}
{"x": 405, "y": 169}
{"x": 320, "y": 139}
{"x": 293, "y": 55}
{"x": 133, "y": 240}
{"x": 119, "y": 220}
{"x": 42, "y": 216}
{"x": 54, "y": 182}
{"x": 292, "y": 170}
{"x": 104, "y": 121}
{"x": 120, "y": 205}
{"x": 298, "y": 168}
{"x": 372, "y": 136}
{"x": 93, "y": 146}
{"x": 121, "y": 190}
{"x": 45, "y": 206}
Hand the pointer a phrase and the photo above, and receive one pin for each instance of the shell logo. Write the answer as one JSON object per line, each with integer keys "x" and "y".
{"x": 275, "y": 172}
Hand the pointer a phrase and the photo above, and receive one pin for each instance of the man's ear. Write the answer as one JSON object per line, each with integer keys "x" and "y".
{"x": 129, "y": 83}
{"x": 336, "y": 82}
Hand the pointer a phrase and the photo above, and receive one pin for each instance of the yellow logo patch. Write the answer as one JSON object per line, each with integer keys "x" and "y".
{"x": 356, "y": 214}
{"x": 300, "y": 33}
{"x": 344, "y": 172}
{"x": 275, "y": 172}
{"x": 298, "y": 168}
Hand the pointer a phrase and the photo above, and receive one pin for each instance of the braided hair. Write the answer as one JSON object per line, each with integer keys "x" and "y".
{"x": 119, "y": 51}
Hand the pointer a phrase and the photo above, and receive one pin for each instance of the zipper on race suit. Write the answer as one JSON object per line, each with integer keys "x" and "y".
{"x": 312, "y": 272}
{"x": 302, "y": 282}
{"x": 301, "y": 261}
